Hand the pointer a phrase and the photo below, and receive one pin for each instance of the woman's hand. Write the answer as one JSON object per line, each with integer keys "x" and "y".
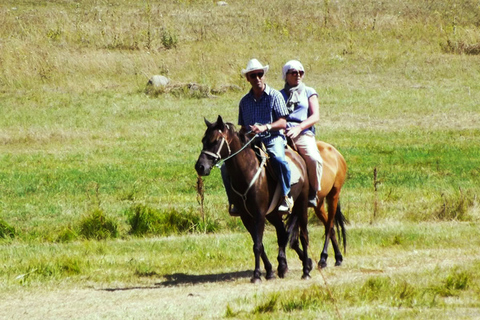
{"x": 293, "y": 132}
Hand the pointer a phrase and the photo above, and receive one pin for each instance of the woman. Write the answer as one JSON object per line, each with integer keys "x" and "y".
{"x": 302, "y": 102}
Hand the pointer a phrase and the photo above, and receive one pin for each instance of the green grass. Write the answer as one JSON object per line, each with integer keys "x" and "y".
{"x": 407, "y": 296}
{"x": 80, "y": 133}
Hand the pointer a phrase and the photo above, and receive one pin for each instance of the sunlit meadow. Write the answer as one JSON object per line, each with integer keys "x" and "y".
{"x": 82, "y": 136}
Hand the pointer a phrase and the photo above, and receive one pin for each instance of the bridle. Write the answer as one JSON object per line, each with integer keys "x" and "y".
{"x": 216, "y": 155}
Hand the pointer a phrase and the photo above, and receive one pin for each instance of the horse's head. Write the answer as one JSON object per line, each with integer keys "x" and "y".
{"x": 215, "y": 146}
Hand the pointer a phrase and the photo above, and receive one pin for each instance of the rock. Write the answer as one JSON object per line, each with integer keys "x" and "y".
{"x": 158, "y": 81}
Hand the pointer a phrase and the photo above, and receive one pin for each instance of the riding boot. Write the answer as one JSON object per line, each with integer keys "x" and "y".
{"x": 286, "y": 205}
{"x": 312, "y": 198}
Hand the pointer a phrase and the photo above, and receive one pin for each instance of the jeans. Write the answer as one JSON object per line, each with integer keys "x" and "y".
{"x": 276, "y": 152}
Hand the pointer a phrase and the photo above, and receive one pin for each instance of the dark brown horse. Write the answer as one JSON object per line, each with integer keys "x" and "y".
{"x": 254, "y": 190}
{"x": 333, "y": 178}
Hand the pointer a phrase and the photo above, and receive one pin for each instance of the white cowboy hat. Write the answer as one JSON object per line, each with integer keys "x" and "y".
{"x": 291, "y": 65}
{"x": 254, "y": 65}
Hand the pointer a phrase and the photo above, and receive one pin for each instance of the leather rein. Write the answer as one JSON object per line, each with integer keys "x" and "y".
{"x": 218, "y": 157}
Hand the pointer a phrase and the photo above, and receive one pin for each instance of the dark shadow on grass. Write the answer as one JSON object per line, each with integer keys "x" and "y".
{"x": 182, "y": 278}
{"x": 177, "y": 279}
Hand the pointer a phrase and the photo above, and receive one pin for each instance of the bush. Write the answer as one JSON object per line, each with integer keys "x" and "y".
{"x": 456, "y": 281}
{"x": 66, "y": 235}
{"x": 97, "y": 226}
{"x": 169, "y": 39}
{"x": 455, "y": 207}
{"x": 145, "y": 220}
{"x": 460, "y": 47}
{"x": 6, "y": 230}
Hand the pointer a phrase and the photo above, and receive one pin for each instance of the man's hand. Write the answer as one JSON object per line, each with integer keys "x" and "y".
{"x": 258, "y": 128}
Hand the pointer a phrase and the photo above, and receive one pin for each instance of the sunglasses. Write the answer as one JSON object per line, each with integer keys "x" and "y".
{"x": 296, "y": 73}
{"x": 255, "y": 75}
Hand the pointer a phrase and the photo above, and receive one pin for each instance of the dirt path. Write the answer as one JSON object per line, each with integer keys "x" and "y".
{"x": 186, "y": 297}
{"x": 207, "y": 297}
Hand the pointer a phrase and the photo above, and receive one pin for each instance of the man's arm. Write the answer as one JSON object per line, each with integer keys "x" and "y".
{"x": 277, "y": 125}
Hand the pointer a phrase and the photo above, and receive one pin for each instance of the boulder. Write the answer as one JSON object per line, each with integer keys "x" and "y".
{"x": 158, "y": 81}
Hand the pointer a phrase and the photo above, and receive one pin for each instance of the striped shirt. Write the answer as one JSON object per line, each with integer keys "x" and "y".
{"x": 268, "y": 109}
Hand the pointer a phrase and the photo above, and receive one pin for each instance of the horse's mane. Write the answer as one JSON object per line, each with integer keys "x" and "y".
{"x": 244, "y": 138}
{"x": 232, "y": 129}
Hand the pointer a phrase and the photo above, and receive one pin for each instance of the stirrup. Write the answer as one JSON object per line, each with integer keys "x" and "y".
{"x": 286, "y": 205}
{"x": 312, "y": 201}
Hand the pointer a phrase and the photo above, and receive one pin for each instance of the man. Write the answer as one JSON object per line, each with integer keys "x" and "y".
{"x": 263, "y": 109}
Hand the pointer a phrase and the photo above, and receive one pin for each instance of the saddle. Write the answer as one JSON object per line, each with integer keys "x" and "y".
{"x": 262, "y": 154}
{"x": 295, "y": 174}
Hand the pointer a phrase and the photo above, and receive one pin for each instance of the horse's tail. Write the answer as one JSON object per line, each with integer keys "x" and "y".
{"x": 293, "y": 229}
{"x": 340, "y": 221}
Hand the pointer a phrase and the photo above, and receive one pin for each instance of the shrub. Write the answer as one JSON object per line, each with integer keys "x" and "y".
{"x": 67, "y": 234}
{"x": 460, "y": 47}
{"x": 169, "y": 39}
{"x": 97, "y": 226}
{"x": 6, "y": 230}
{"x": 455, "y": 282}
{"x": 145, "y": 220}
{"x": 455, "y": 207}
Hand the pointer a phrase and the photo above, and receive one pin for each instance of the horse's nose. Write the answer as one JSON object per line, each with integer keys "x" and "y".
{"x": 200, "y": 168}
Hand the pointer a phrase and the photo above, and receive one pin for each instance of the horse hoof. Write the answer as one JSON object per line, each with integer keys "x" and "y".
{"x": 338, "y": 263}
{"x": 322, "y": 264}
{"x": 270, "y": 276}
{"x": 309, "y": 265}
{"x": 256, "y": 280}
{"x": 306, "y": 277}
{"x": 281, "y": 273}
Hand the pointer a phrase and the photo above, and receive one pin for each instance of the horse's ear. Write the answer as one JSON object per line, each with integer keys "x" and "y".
{"x": 207, "y": 122}
{"x": 220, "y": 123}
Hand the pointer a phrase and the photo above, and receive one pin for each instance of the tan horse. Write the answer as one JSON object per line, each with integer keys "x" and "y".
{"x": 333, "y": 178}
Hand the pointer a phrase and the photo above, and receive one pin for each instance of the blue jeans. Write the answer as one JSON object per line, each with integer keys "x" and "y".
{"x": 276, "y": 151}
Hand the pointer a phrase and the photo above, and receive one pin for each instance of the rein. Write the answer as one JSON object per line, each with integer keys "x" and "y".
{"x": 218, "y": 157}
{"x": 244, "y": 195}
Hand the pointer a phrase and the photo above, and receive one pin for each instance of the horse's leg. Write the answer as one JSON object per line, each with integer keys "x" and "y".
{"x": 306, "y": 262}
{"x": 336, "y": 248}
{"x": 268, "y": 266}
{"x": 321, "y": 214}
{"x": 282, "y": 240}
{"x": 332, "y": 201}
{"x": 297, "y": 228}
{"x": 340, "y": 222}
{"x": 303, "y": 221}
{"x": 260, "y": 227}
{"x": 256, "y": 228}
{"x": 296, "y": 247}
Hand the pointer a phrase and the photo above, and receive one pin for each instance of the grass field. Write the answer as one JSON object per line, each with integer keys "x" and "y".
{"x": 81, "y": 137}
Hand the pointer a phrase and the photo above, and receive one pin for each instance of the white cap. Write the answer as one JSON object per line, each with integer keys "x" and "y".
{"x": 291, "y": 65}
